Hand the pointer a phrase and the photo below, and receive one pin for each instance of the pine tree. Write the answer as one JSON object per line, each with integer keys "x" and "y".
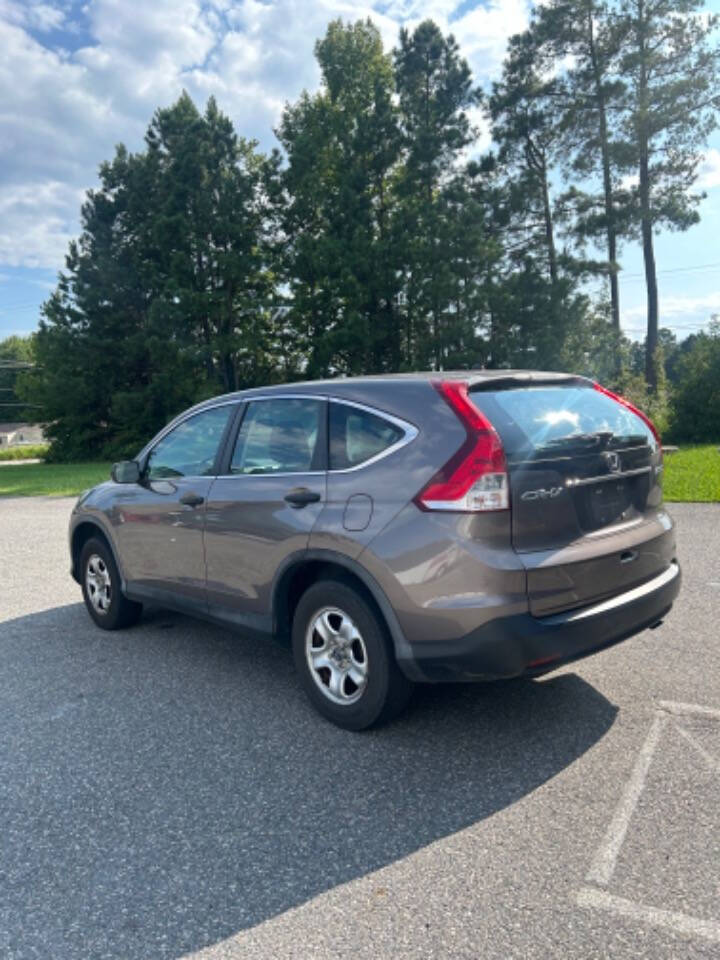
{"x": 526, "y": 129}
{"x": 342, "y": 146}
{"x": 672, "y": 76}
{"x": 163, "y": 300}
{"x": 436, "y": 92}
{"x": 587, "y": 94}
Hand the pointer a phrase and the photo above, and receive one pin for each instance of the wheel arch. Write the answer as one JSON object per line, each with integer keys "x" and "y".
{"x": 84, "y": 531}
{"x": 307, "y": 567}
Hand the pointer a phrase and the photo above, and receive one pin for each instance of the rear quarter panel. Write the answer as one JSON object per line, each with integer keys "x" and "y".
{"x": 362, "y": 501}
{"x": 447, "y": 574}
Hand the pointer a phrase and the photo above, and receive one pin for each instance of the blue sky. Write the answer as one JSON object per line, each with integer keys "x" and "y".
{"x": 77, "y": 77}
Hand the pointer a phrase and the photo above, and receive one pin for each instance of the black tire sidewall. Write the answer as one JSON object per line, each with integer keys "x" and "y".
{"x": 112, "y": 619}
{"x": 373, "y": 704}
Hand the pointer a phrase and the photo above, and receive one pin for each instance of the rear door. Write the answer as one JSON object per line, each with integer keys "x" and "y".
{"x": 585, "y": 489}
{"x": 264, "y": 504}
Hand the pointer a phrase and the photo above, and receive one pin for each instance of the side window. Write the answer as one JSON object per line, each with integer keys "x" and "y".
{"x": 280, "y": 436}
{"x": 357, "y": 435}
{"x": 189, "y": 449}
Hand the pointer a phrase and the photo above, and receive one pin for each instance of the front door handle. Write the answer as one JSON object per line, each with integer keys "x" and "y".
{"x": 300, "y": 496}
{"x": 191, "y": 499}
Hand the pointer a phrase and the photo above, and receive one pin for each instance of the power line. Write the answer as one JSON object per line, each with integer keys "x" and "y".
{"x": 699, "y": 266}
{"x": 670, "y": 326}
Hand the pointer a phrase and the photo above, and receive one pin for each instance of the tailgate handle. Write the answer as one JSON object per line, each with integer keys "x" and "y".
{"x": 628, "y": 556}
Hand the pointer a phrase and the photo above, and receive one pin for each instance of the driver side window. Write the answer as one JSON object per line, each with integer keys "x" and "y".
{"x": 190, "y": 449}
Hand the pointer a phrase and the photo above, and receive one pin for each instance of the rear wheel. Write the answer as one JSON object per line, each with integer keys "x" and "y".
{"x": 100, "y": 580}
{"x": 344, "y": 659}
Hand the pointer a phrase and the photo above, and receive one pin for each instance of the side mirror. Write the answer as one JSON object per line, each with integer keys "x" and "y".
{"x": 127, "y": 471}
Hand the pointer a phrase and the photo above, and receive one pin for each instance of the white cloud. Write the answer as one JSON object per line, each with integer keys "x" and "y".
{"x": 63, "y": 110}
{"x": 629, "y": 181}
{"x": 35, "y": 15}
{"x": 674, "y": 307}
{"x": 709, "y": 171}
{"x": 482, "y": 33}
{"x": 37, "y": 221}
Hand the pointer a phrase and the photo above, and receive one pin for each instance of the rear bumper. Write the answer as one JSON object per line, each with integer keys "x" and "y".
{"x": 525, "y": 645}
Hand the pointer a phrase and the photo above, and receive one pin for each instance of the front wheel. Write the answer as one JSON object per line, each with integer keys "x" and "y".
{"x": 344, "y": 659}
{"x": 102, "y": 593}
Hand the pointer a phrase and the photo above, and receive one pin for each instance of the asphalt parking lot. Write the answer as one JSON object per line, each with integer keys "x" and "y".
{"x": 166, "y": 791}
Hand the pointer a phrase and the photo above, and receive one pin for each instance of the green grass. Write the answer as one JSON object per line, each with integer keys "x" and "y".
{"x": 30, "y": 452}
{"x": 51, "y": 479}
{"x": 692, "y": 474}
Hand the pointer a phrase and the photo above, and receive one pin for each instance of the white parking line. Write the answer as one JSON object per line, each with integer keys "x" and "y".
{"x": 709, "y": 759}
{"x": 677, "y": 922}
{"x": 688, "y": 710}
{"x": 605, "y": 859}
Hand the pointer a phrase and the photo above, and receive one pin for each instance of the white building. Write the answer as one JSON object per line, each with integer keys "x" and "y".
{"x": 16, "y": 434}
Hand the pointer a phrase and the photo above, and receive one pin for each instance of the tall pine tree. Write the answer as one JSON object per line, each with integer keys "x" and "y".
{"x": 342, "y": 146}
{"x": 436, "y": 92}
{"x": 672, "y": 73}
{"x": 164, "y": 296}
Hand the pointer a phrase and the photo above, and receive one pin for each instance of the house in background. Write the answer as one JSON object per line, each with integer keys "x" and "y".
{"x": 17, "y": 434}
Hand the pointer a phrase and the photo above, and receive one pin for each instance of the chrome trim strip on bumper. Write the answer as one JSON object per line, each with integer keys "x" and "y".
{"x": 616, "y": 528}
{"x": 613, "y": 603}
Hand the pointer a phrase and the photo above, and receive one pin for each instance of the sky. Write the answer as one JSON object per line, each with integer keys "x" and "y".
{"x": 79, "y": 76}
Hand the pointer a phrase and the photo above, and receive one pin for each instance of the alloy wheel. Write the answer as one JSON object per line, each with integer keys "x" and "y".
{"x": 336, "y": 656}
{"x": 98, "y": 583}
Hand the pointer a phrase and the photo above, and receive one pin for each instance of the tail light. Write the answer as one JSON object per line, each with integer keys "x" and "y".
{"x": 633, "y": 409}
{"x": 475, "y": 478}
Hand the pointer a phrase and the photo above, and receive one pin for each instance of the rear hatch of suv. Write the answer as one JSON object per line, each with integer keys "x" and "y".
{"x": 585, "y": 474}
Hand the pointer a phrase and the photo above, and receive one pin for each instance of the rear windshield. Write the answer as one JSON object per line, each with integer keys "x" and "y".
{"x": 533, "y": 419}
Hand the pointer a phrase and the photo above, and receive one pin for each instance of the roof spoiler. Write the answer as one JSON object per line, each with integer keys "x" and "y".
{"x": 510, "y": 381}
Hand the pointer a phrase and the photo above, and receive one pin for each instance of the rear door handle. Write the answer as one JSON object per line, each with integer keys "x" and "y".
{"x": 191, "y": 499}
{"x": 300, "y": 496}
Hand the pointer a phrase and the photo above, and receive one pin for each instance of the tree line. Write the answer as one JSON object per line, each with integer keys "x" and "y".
{"x": 378, "y": 237}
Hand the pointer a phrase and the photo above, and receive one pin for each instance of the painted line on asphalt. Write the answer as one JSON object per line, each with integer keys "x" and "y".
{"x": 688, "y": 710}
{"x": 709, "y": 759}
{"x": 677, "y": 922}
{"x": 605, "y": 859}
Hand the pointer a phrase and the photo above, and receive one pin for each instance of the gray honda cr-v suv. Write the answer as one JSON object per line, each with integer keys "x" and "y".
{"x": 425, "y": 527}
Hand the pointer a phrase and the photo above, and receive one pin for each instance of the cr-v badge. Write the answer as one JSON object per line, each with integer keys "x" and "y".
{"x": 542, "y": 494}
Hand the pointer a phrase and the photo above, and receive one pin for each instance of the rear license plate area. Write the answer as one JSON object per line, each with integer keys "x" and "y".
{"x": 602, "y": 504}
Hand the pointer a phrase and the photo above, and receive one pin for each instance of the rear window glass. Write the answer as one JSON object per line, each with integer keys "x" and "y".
{"x": 534, "y": 418}
{"x": 357, "y": 436}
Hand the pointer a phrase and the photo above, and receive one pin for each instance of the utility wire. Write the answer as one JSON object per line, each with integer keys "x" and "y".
{"x": 699, "y": 266}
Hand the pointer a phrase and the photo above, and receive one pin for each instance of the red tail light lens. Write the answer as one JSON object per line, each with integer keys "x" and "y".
{"x": 475, "y": 478}
{"x": 630, "y": 406}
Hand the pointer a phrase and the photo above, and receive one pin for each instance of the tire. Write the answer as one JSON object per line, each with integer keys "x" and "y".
{"x": 348, "y": 671}
{"x": 100, "y": 581}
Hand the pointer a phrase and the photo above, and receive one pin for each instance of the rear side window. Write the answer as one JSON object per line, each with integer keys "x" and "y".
{"x": 280, "y": 436}
{"x": 535, "y": 418}
{"x": 357, "y": 436}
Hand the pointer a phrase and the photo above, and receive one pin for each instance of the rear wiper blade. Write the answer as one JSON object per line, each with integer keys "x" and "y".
{"x": 600, "y": 438}
{"x": 629, "y": 439}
